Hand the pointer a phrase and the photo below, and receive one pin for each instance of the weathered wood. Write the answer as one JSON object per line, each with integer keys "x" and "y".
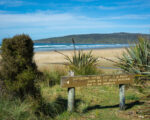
{"x": 122, "y": 96}
{"x": 71, "y": 96}
{"x": 95, "y": 80}
{"x": 72, "y": 81}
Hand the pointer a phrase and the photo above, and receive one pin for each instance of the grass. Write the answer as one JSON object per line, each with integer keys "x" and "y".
{"x": 52, "y": 76}
{"x": 16, "y": 109}
{"x": 92, "y": 103}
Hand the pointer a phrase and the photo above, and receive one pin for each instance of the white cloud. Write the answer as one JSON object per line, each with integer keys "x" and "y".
{"x": 129, "y": 2}
{"x": 107, "y": 7}
{"x": 136, "y": 17}
{"x": 117, "y": 7}
{"x": 125, "y": 5}
{"x": 15, "y": 3}
{"x": 44, "y": 23}
{"x": 48, "y": 20}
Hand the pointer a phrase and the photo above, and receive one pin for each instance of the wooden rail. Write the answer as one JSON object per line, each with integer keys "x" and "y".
{"x": 72, "y": 81}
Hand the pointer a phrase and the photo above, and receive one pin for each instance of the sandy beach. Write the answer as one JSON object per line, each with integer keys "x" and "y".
{"x": 49, "y": 58}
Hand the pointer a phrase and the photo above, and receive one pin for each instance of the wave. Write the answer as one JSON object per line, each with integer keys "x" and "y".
{"x": 51, "y": 47}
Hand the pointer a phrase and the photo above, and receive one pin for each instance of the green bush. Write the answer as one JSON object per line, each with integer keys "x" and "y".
{"x": 18, "y": 69}
{"x": 52, "y": 77}
{"x": 136, "y": 60}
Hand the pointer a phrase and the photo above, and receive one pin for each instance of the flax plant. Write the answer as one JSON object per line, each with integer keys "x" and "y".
{"x": 136, "y": 60}
{"x": 82, "y": 63}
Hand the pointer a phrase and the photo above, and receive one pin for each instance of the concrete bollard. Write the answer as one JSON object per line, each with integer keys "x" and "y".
{"x": 122, "y": 96}
{"x": 71, "y": 96}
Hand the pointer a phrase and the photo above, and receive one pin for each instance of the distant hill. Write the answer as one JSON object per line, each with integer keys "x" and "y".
{"x": 96, "y": 38}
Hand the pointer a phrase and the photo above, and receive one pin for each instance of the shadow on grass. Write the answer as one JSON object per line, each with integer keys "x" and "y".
{"x": 53, "y": 83}
{"x": 128, "y": 106}
{"x": 55, "y": 108}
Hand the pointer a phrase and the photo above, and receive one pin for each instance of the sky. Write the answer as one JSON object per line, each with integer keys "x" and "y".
{"x": 53, "y": 18}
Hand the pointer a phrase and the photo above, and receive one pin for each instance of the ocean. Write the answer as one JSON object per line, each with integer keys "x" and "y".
{"x": 52, "y": 47}
{"x": 39, "y": 47}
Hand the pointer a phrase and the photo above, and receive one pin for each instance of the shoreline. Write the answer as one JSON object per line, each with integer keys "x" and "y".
{"x": 81, "y": 49}
{"x": 43, "y": 48}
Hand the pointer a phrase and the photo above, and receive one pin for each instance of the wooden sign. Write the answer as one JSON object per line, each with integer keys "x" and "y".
{"x": 94, "y": 80}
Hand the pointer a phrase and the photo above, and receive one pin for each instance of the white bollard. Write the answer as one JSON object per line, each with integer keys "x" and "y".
{"x": 122, "y": 96}
{"x": 71, "y": 96}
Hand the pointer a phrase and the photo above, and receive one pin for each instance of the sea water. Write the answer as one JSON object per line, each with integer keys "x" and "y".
{"x": 51, "y": 47}
{"x": 58, "y": 47}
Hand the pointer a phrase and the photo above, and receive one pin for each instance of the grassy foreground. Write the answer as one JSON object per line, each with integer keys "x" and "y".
{"x": 92, "y": 103}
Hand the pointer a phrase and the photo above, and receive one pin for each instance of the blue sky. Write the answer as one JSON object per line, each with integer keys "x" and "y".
{"x": 51, "y": 18}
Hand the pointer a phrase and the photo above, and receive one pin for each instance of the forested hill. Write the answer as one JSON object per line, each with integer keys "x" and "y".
{"x": 96, "y": 38}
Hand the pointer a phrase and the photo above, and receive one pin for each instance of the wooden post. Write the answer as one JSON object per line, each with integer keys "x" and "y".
{"x": 71, "y": 96}
{"x": 122, "y": 96}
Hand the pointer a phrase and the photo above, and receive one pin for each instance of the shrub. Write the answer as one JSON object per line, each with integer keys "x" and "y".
{"x": 136, "y": 60}
{"x": 53, "y": 76}
{"x": 18, "y": 69}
